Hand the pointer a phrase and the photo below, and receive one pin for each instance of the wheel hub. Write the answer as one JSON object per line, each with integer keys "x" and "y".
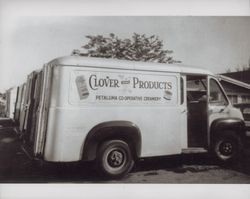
{"x": 226, "y": 148}
{"x": 115, "y": 158}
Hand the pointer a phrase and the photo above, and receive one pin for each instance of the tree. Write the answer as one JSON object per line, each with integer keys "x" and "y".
{"x": 3, "y": 96}
{"x": 239, "y": 68}
{"x": 137, "y": 48}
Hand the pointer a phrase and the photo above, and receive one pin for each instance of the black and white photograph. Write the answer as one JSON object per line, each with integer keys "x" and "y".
{"x": 125, "y": 99}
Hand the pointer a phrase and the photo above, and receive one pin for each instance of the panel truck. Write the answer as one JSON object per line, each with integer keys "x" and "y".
{"x": 115, "y": 112}
{"x": 11, "y": 94}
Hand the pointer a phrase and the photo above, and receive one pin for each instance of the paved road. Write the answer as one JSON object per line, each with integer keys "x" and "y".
{"x": 16, "y": 167}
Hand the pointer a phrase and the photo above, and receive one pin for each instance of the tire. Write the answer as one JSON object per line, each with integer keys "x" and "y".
{"x": 227, "y": 148}
{"x": 114, "y": 159}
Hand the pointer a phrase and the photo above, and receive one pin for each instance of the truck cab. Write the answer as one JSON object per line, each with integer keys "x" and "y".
{"x": 213, "y": 123}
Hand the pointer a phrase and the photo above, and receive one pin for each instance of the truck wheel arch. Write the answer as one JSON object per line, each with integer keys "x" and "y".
{"x": 222, "y": 125}
{"x": 123, "y": 130}
{"x": 230, "y": 131}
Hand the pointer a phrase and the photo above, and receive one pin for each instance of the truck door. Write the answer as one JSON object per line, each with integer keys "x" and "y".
{"x": 30, "y": 106}
{"x": 43, "y": 100}
{"x": 23, "y": 108}
{"x": 34, "y": 114}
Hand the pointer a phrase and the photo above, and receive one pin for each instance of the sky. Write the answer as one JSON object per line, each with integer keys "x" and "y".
{"x": 214, "y": 43}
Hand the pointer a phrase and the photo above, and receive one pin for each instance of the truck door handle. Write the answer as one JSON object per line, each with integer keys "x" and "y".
{"x": 219, "y": 110}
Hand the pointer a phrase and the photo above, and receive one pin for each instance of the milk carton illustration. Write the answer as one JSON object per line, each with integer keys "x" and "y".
{"x": 82, "y": 87}
{"x": 167, "y": 95}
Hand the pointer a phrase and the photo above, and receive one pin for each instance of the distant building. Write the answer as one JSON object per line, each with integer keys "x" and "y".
{"x": 2, "y": 105}
{"x": 237, "y": 86}
{"x": 243, "y": 76}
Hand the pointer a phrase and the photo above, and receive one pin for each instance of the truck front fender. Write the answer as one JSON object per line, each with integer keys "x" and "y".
{"x": 221, "y": 125}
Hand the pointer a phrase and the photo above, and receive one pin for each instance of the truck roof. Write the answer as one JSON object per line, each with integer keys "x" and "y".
{"x": 81, "y": 61}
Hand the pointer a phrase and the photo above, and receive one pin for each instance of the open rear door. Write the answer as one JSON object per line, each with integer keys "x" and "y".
{"x": 42, "y": 109}
{"x": 30, "y": 107}
{"x": 35, "y": 106}
{"x": 23, "y": 108}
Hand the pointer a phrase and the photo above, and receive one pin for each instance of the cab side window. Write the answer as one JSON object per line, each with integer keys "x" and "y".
{"x": 196, "y": 88}
{"x": 217, "y": 97}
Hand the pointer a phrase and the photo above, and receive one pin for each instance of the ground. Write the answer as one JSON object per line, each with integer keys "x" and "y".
{"x": 15, "y": 166}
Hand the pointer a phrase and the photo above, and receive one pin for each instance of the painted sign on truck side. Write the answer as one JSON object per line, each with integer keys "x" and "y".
{"x": 122, "y": 88}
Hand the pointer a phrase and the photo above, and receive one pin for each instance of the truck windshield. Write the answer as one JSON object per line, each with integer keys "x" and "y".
{"x": 217, "y": 97}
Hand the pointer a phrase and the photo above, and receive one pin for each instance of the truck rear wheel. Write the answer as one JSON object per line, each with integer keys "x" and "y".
{"x": 227, "y": 148}
{"x": 114, "y": 159}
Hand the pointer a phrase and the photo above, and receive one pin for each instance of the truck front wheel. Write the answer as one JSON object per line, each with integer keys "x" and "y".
{"x": 227, "y": 148}
{"x": 114, "y": 159}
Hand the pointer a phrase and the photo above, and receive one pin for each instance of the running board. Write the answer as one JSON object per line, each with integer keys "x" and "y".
{"x": 194, "y": 150}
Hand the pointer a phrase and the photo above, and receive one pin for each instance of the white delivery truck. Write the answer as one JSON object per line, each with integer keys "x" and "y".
{"x": 11, "y": 95}
{"x": 114, "y": 112}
